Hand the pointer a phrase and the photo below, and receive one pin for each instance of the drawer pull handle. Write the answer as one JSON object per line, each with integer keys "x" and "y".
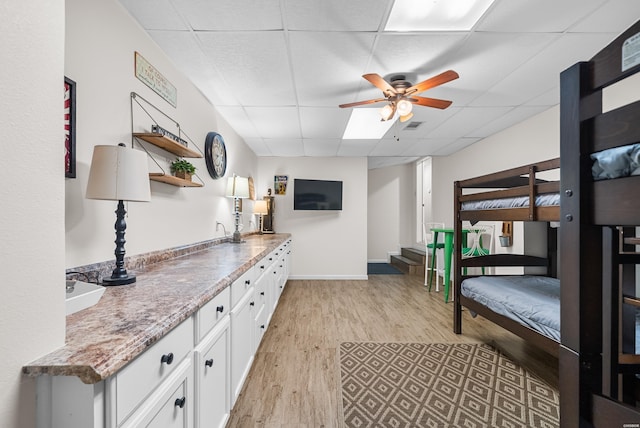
{"x": 180, "y": 402}
{"x": 209, "y": 362}
{"x": 262, "y": 293}
{"x": 167, "y": 358}
{"x": 270, "y": 258}
{"x": 248, "y": 281}
{"x": 262, "y": 326}
{"x": 220, "y": 309}
{"x": 262, "y": 267}
{"x": 252, "y": 303}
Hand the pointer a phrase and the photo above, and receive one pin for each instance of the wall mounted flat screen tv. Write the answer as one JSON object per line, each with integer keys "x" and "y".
{"x": 317, "y": 195}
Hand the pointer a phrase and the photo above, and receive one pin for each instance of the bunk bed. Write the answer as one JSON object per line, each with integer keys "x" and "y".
{"x": 527, "y": 305}
{"x": 600, "y": 213}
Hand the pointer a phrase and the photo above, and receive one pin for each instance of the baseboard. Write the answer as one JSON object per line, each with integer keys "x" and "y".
{"x": 378, "y": 261}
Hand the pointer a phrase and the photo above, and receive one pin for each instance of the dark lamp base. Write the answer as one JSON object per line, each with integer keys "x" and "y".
{"x": 129, "y": 279}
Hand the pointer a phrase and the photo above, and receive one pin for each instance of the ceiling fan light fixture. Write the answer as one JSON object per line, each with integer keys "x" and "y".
{"x": 404, "y": 107}
{"x": 388, "y": 111}
{"x": 406, "y": 117}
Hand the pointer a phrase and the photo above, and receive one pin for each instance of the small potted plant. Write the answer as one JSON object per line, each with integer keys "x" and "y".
{"x": 182, "y": 169}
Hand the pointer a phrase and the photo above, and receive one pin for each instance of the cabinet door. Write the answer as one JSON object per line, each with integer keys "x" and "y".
{"x": 242, "y": 322}
{"x": 170, "y": 405}
{"x": 213, "y": 378}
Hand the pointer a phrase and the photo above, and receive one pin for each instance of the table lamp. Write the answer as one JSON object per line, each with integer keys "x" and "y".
{"x": 119, "y": 174}
{"x": 237, "y": 188}
{"x": 260, "y": 208}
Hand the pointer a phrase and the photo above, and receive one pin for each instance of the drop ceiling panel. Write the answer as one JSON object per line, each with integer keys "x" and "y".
{"x": 614, "y": 17}
{"x": 392, "y": 146}
{"x": 238, "y": 120}
{"x": 424, "y": 54}
{"x": 510, "y": 118}
{"x": 321, "y": 146}
{"x": 258, "y": 146}
{"x": 468, "y": 120}
{"x": 255, "y": 64}
{"x": 323, "y": 122}
{"x": 328, "y": 66}
{"x": 155, "y": 14}
{"x": 542, "y": 16}
{"x": 335, "y": 15}
{"x": 275, "y": 122}
{"x": 231, "y": 15}
{"x": 285, "y": 147}
{"x": 481, "y": 63}
{"x": 356, "y": 147}
{"x": 542, "y": 72}
{"x": 455, "y": 146}
{"x": 428, "y": 146}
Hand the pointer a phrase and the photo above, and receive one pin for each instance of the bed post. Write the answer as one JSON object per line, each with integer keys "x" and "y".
{"x": 457, "y": 251}
{"x": 581, "y": 252}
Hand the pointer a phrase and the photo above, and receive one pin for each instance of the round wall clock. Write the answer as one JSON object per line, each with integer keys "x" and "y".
{"x": 215, "y": 154}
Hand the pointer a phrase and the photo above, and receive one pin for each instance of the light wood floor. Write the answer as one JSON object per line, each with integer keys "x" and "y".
{"x": 294, "y": 380}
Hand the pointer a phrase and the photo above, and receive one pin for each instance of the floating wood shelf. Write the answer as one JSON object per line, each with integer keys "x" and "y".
{"x": 170, "y": 179}
{"x": 167, "y": 144}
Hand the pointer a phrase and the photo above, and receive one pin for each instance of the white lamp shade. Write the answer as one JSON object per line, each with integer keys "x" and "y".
{"x": 238, "y": 187}
{"x": 118, "y": 173}
{"x": 260, "y": 207}
{"x": 404, "y": 107}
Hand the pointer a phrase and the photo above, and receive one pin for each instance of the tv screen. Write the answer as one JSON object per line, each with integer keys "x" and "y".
{"x": 317, "y": 195}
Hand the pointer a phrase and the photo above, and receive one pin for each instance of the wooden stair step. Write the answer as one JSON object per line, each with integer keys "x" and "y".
{"x": 407, "y": 265}
{"x": 414, "y": 254}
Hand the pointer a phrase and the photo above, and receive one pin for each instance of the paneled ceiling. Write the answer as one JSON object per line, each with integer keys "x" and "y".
{"x": 278, "y": 69}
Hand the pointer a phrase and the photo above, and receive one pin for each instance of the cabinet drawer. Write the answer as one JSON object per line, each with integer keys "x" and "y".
{"x": 241, "y": 285}
{"x": 209, "y": 315}
{"x": 142, "y": 376}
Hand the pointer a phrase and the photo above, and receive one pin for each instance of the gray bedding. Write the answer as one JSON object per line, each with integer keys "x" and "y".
{"x": 533, "y": 301}
{"x": 617, "y": 162}
{"x": 547, "y": 199}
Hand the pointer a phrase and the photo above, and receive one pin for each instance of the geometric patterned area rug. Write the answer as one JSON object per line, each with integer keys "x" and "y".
{"x": 440, "y": 385}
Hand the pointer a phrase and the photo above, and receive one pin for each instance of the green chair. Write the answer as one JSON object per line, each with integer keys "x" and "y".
{"x": 479, "y": 242}
{"x": 431, "y": 269}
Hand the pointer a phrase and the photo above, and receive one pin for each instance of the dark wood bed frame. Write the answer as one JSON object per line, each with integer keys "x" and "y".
{"x": 520, "y": 181}
{"x": 598, "y": 365}
{"x": 597, "y": 369}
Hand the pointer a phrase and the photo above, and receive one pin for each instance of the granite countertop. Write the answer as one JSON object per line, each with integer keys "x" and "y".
{"x": 128, "y": 319}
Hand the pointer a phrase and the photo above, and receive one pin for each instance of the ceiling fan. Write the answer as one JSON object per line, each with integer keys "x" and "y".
{"x": 401, "y": 95}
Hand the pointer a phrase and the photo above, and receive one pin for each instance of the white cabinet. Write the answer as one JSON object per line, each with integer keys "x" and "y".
{"x": 242, "y": 322}
{"x": 191, "y": 377}
{"x": 170, "y": 405}
{"x": 139, "y": 378}
{"x": 211, "y": 360}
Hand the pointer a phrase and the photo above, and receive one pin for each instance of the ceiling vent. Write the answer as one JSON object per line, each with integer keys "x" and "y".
{"x": 413, "y": 125}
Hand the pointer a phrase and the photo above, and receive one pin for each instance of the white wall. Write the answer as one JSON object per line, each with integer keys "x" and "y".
{"x": 533, "y": 140}
{"x": 32, "y": 192}
{"x": 327, "y": 244}
{"x": 390, "y": 202}
{"x": 101, "y": 39}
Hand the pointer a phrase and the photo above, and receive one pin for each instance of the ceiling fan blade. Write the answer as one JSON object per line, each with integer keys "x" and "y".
{"x": 361, "y": 103}
{"x": 438, "y": 80}
{"x": 430, "y": 102}
{"x": 377, "y": 81}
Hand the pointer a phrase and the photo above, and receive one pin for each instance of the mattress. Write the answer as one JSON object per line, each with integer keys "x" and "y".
{"x": 533, "y": 301}
{"x": 545, "y": 200}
